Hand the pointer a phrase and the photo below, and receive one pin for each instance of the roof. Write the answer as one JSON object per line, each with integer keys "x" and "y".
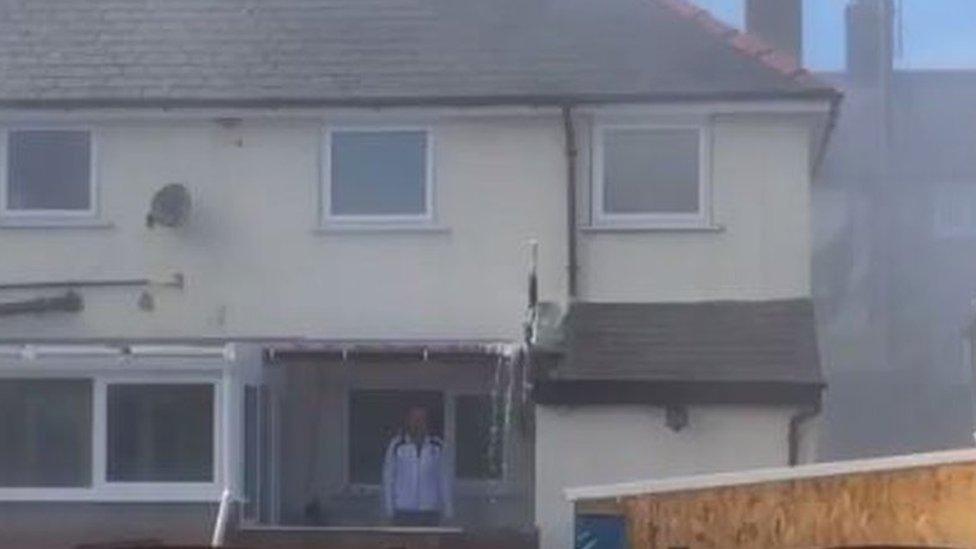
{"x": 310, "y": 52}
{"x": 699, "y": 351}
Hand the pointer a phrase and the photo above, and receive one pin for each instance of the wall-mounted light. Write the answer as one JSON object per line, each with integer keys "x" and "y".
{"x": 676, "y": 417}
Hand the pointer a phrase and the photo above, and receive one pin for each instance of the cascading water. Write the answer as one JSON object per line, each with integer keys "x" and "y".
{"x": 505, "y": 379}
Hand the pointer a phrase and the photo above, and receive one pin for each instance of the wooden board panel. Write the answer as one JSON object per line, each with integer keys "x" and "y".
{"x": 928, "y": 507}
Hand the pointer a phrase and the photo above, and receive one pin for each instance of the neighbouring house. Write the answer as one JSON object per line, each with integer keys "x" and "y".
{"x": 894, "y": 249}
{"x": 240, "y": 237}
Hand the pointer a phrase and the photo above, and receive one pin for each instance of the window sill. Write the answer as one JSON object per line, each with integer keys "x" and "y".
{"x": 422, "y": 530}
{"x": 149, "y": 493}
{"x": 652, "y": 228}
{"x": 54, "y": 223}
{"x": 380, "y": 228}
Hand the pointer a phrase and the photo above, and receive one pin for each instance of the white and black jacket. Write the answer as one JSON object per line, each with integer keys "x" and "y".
{"x": 417, "y": 477}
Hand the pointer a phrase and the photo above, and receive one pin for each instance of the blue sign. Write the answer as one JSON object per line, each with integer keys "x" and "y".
{"x": 601, "y": 532}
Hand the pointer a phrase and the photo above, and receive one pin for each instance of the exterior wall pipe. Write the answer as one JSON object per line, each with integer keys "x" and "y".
{"x": 796, "y": 423}
{"x": 67, "y": 303}
{"x": 572, "y": 152}
{"x": 177, "y": 281}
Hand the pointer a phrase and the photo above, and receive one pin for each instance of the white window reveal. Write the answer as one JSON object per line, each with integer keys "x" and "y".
{"x": 651, "y": 176}
{"x": 377, "y": 176}
{"x": 48, "y": 174}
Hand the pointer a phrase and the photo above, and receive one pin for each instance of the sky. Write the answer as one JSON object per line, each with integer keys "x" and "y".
{"x": 937, "y": 34}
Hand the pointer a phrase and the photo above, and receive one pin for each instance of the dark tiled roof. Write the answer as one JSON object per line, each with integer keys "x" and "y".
{"x": 115, "y": 52}
{"x": 772, "y": 342}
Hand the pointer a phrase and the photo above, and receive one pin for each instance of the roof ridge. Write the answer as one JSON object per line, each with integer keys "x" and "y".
{"x": 745, "y": 43}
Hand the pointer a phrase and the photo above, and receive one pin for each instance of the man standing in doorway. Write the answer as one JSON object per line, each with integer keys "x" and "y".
{"x": 416, "y": 479}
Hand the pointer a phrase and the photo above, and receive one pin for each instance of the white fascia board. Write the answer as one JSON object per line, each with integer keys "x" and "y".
{"x": 781, "y": 106}
{"x": 92, "y": 358}
{"x": 233, "y": 114}
{"x": 779, "y": 474}
{"x": 141, "y": 493}
{"x": 784, "y": 106}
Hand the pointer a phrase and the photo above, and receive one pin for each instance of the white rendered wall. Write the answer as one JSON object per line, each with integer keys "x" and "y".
{"x": 253, "y": 262}
{"x": 760, "y": 189}
{"x": 255, "y": 266}
{"x": 606, "y": 444}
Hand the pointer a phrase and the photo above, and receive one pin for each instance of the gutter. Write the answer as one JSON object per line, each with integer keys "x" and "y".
{"x": 832, "y": 117}
{"x": 572, "y": 152}
{"x": 379, "y": 102}
{"x": 796, "y": 423}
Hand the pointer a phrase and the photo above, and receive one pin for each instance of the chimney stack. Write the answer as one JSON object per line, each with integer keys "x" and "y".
{"x": 870, "y": 40}
{"x": 778, "y": 22}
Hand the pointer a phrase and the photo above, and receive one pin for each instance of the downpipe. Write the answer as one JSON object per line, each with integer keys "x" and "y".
{"x": 572, "y": 152}
{"x": 796, "y": 423}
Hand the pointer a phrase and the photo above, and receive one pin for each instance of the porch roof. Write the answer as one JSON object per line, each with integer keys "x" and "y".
{"x": 713, "y": 352}
{"x": 409, "y": 350}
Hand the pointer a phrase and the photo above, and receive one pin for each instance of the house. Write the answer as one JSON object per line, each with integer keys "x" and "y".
{"x": 241, "y": 237}
{"x": 895, "y": 221}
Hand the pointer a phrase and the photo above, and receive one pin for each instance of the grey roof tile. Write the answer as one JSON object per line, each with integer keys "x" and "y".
{"x": 724, "y": 341}
{"x": 397, "y": 50}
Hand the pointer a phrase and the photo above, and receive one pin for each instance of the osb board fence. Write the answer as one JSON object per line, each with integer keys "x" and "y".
{"x": 928, "y": 505}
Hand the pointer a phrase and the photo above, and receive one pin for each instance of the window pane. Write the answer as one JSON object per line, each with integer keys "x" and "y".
{"x": 160, "y": 433}
{"x": 45, "y": 433}
{"x": 379, "y": 173}
{"x": 479, "y": 455}
{"x": 49, "y": 170}
{"x": 650, "y": 171}
{"x": 375, "y": 417}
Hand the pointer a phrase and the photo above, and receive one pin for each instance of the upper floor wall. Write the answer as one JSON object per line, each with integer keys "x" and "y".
{"x": 750, "y": 241}
{"x": 258, "y": 260}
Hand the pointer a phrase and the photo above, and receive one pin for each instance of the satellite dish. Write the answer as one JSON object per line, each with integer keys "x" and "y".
{"x": 170, "y": 206}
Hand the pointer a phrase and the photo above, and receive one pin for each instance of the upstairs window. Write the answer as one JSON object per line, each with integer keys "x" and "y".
{"x": 650, "y": 176}
{"x": 48, "y": 172}
{"x": 375, "y": 175}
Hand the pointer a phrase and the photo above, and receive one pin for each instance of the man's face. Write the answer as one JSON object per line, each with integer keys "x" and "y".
{"x": 417, "y": 421}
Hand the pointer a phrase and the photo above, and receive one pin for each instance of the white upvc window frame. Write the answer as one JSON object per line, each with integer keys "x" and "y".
{"x": 328, "y": 219}
{"x": 103, "y": 490}
{"x": 42, "y": 217}
{"x": 700, "y": 219}
{"x": 141, "y": 490}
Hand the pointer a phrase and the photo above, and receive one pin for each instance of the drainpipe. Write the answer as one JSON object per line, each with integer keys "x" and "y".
{"x": 572, "y": 152}
{"x": 796, "y": 423}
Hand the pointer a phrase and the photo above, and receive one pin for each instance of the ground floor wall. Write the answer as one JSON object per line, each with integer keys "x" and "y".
{"x": 577, "y": 446}
{"x": 60, "y": 525}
